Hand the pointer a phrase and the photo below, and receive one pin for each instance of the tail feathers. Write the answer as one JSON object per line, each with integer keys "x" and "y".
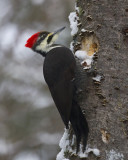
{"x": 84, "y": 130}
{"x": 79, "y": 125}
{"x": 76, "y": 129}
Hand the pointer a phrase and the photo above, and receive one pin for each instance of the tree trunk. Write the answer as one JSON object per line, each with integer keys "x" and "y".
{"x": 103, "y": 88}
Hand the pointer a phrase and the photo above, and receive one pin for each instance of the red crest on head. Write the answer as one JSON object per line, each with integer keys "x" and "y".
{"x": 31, "y": 41}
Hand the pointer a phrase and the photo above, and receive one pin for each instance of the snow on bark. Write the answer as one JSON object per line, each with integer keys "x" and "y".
{"x": 114, "y": 155}
{"x": 84, "y": 58}
{"x": 65, "y": 147}
{"x": 73, "y": 23}
{"x": 97, "y": 78}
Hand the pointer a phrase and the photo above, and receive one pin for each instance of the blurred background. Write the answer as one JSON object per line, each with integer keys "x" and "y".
{"x": 30, "y": 125}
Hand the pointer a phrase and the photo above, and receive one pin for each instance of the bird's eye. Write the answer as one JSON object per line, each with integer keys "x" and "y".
{"x": 50, "y": 38}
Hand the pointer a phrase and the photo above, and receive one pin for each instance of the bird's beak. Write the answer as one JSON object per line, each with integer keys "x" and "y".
{"x": 58, "y": 31}
{"x": 52, "y": 37}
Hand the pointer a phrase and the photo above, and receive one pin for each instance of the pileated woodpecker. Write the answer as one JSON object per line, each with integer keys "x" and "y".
{"x": 59, "y": 73}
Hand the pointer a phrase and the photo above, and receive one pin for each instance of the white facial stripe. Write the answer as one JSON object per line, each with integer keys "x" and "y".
{"x": 55, "y": 37}
{"x": 44, "y": 46}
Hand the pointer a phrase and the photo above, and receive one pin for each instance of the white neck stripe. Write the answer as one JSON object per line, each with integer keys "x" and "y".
{"x": 50, "y": 48}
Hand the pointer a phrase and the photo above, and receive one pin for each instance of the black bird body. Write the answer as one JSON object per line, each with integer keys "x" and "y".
{"x": 59, "y": 73}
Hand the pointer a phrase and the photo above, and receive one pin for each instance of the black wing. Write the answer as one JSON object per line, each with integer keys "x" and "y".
{"x": 59, "y": 71}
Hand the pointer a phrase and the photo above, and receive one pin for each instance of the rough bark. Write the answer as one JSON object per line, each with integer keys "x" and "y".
{"x": 105, "y": 103}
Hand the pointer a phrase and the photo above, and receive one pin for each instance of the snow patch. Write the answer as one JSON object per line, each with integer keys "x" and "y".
{"x": 95, "y": 151}
{"x": 85, "y": 59}
{"x": 73, "y": 23}
{"x": 81, "y": 54}
{"x": 64, "y": 142}
{"x": 60, "y": 155}
{"x": 64, "y": 145}
{"x": 113, "y": 155}
{"x": 71, "y": 46}
{"x": 97, "y": 78}
{"x": 83, "y": 30}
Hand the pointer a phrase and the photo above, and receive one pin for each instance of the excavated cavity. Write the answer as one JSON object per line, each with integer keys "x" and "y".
{"x": 90, "y": 43}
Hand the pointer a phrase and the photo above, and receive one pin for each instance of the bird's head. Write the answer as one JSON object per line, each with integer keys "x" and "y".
{"x": 42, "y": 42}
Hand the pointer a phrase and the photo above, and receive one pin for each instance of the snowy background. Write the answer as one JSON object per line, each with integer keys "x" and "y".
{"x": 30, "y": 125}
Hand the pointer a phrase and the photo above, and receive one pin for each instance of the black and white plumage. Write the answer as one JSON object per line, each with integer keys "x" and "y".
{"x": 59, "y": 73}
